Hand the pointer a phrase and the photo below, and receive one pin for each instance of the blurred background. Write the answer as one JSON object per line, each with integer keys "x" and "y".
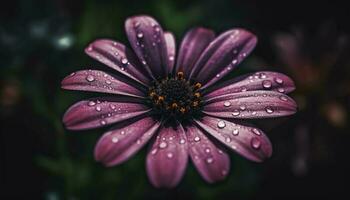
{"x": 42, "y": 41}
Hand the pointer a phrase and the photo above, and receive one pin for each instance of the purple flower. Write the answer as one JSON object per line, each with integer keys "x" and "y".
{"x": 180, "y": 105}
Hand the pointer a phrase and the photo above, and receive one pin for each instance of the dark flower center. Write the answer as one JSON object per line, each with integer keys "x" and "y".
{"x": 175, "y": 97}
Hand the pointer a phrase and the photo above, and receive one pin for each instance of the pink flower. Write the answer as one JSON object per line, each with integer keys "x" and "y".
{"x": 182, "y": 106}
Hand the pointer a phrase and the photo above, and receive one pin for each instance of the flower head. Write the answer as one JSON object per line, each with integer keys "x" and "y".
{"x": 182, "y": 104}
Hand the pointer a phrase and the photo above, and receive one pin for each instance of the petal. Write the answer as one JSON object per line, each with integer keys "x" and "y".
{"x": 248, "y": 141}
{"x": 171, "y": 48}
{"x": 118, "y": 57}
{"x": 193, "y": 44}
{"x": 264, "y": 80}
{"x": 147, "y": 39}
{"x": 166, "y": 162}
{"x": 212, "y": 162}
{"x": 251, "y": 104}
{"x": 99, "y": 81}
{"x": 124, "y": 140}
{"x": 222, "y": 55}
{"x": 98, "y": 112}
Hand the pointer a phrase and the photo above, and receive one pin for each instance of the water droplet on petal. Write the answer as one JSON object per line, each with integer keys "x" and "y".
{"x": 207, "y": 150}
{"x": 90, "y": 78}
{"x": 122, "y": 132}
{"x": 98, "y": 108}
{"x": 254, "y": 113}
{"x": 140, "y": 35}
{"x": 256, "y": 131}
{"x": 89, "y": 48}
{"x": 170, "y": 155}
{"x": 162, "y": 145}
{"x": 171, "y": 58}
{"x": 108, "y": 82}
{"x": 210, "y": 160}
{"x": 112, "y": 106}
{"x": 235, "y": 113}
{"x": 243, "y": 107}
{"x": 103, "y": 122}
{"x": 115, "y": 139}
{"x": 124, "y": 61}
{"x": 154, "y": 151}
{"x": 91, "y": 103}
{"x": 228, "y": 139}
{"x": 235, "y": 132}
{"x": 182, "y": 141}
{"x": 255, "y": 142}
{"x": 243, "y": 89}
{"x": 283, "y": 98}
{"x": 221, "y": 124}
{"x": 234, "y": 61}
{"x": 262, "y": 75}
{"x": 281, "y": 90}
{"x": 72, "y": 74}
{"x": 278, "y": 80}
{"x": 269, "y": 109}
{"x": 197, "y": 138}
{"x": 227, "y": 104}
{"x": 267, "y": 84}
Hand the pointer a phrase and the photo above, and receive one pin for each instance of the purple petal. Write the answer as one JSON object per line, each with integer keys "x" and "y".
{"x": 222, "y": 55}
{"x": 251, "y": 104}
{"x": 147, "y": 39}
{"x": 98, "y": 112}
{"x": 255, "y": 81}
{"x": 248, "y": 141}
{"x": 192, "y": 46}
{"x": 212, "y": 162}
{"x": 123, "y": 141}
{"x": 171, "y": 46}
{"x": 118, "y": 57}
{"x": 99, "y": 81}
{"x": 167, "y": 160}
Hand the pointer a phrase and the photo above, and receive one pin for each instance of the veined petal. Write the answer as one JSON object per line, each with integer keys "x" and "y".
{"x": 211, "y": 162}
{"x": 251, "y": 104}
{"x": 171, "y": 48}
{"x": 222, "y": 55}
{"x": 192, "y": 46}
{"x": 118, "y": 57}
{"x": 263, "y": 80}
{"x": 121, "y": 142}
{"x": 147, "y": 39}
{"x": 103, "y": 111}
{"x": 99, "y": 81}
{"x": 167, "y": 160}
{"x": 247, "y": 141}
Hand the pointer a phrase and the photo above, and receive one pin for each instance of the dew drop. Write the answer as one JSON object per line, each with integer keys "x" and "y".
{"x": 269, "y": 109}
{"x": 255, "y": 142}
{"x": 182, "y": 141}
{"x": 228, "y": 139}
{"x": 138, "y": 141}
{"x": 171, "y": 58}
{"x": 221, "y": 124}
{"x": 267, "y": 84}
{"x": 98, "y": 108}
{"x": 281, "y": 90}
{"x": 217, "y": 75}
{"x": 254, "y": 113}
{"x": 256, "y": 131}
{"x": 278, "y": 80}
{"x": 154, "y": 151}
{"x": 162, "y": 145}
{"x": 227, "y": 104}
{"x": 234, "y": 61}
{"x": 108, "y": 82}
{"x": 170, "y": 155}
{"x": 210, "y": 160}
{"x": 103, "y": 122}
{"x": 235, "y": 113}
{"x": 283, "y": 98}
{"x": 124, "y": 61}
{"x": 243, "y": 89}
{"x": 262, "y": 75}
{"x": 89, "y": 48}
{"x": 122, "y": 132}
{"x": 115, "y": 139}
{"x": 90, "y": 78}
{"x": 91, "y": 103}
{"x": 207, "y": 150}
{"x": 197, "y": 139}
{"x": 235, "y": 132}
{"x": 243, "y": 107}
{"x": 72, "y": 74}
{"x": 140, "y": 35}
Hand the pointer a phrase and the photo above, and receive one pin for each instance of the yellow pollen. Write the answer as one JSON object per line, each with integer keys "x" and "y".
{"x": 182, "y": 110}
{"x": 197, "y": 94}
{"x": 195, "y": 103}
{"x": 160, "y": 98}
{"x": 174, "y": 105}
{"x": 197, "y": 86}
{"x": 180, "y": 75}
{"x": 152, "y": 94}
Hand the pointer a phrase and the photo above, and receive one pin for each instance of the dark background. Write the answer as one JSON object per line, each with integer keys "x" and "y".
{"x": 42, "y": 41}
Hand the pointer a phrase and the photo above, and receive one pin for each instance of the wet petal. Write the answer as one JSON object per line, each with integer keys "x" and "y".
{"x": 193, "y": 44}
{"x": 147, "y": 39}
{"x": 102, "y": 111}
{"x": 212, "y": 162}
{"x": 124, "y": 140}
{"x": 118, "y": 57}
{"x": 251, "y": 104}
{"x": 263, "y": 80}
{"x": 99, "y": 81}
{"x": 171, "y": 48}
{"x": 249, "y": 142}
{"x": 167, "y": 160}
{"x": 222, "y": 55}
